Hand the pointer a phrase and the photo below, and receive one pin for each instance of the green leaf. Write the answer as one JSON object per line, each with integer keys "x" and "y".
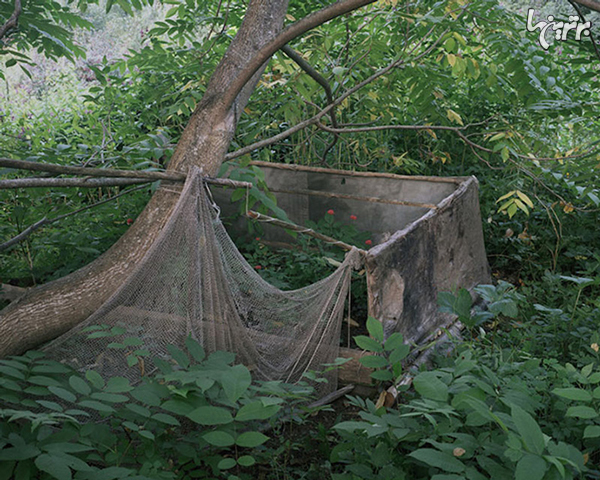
{"x": 581, "y": 411}
{"x": 109, "y": 397}
{"x": 573, "y": 394}
{"x": 62, "y": 394}
{"x": 368, "y": 344}
{"x": 531, "y": 467}
{"x": 194, "y": 348}
{"x": 219, "y": 439}
{"x": 373, "y": 361}
{"x": 95, "y": 379}
{"x": 382, "y": 375}
{"x": 394, "y": 341}
{"x": 428, "y": 385}
{"x": 18, "y": 453}
{"x": 118, "y": 385}
{"x": 179, "y": 356}
{"x": 375, "y": 329}
{"x": 226, "y": 464}
{"x": 399, "y": 354}
{"x": 529, "y": 430}
{"x": 236, "y": 381}
{"x": 256, "y": 411}
{"x": 435, "y": 458}
{"x": 95, "y": 405}
{"x": 210, "y": 416}
{"x": 591, "y": 431}
{"x": 251, "y": 439}
{"x": 166, "y": 418}
{"x": 55, "y": 466}
{"x": 246, "y": 461}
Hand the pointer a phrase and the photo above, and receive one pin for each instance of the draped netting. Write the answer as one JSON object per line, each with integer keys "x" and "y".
{"x": 194, "y": 282}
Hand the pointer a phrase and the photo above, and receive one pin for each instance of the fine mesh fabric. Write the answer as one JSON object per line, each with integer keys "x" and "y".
{"x": 194, "y": 282}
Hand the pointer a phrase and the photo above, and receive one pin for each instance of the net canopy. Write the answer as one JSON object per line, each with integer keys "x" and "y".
{"x": 194, "y": 282}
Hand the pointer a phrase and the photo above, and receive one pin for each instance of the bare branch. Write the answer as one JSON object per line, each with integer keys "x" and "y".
{"x": 45, "y": 221}
{"x": 578, "y": 10}
{"x": 12, "y": 21}
{"x": 92, "y": 172}
{"x": 591, "y": 4}
{"x": 316, "y": 118}
{"x": 67, "y": 182}
{"x": 308, "y": 68}
{"x": 294, "y": 30}
{"x": 108, "y": 172}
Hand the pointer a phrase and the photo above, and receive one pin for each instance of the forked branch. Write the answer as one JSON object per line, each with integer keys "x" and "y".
{"x": 12, "y": 21}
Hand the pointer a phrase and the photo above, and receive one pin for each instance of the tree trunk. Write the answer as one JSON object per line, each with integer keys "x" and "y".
{"x": 51, "y": 309}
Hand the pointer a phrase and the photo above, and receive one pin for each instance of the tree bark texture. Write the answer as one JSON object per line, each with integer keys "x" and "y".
{"x": 47, "y": 311}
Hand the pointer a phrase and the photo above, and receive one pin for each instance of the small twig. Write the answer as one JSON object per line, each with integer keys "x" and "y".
{"x": 297, "y": 228}
{"x": 45, "y": 221}
{"x": 12, "y": 21}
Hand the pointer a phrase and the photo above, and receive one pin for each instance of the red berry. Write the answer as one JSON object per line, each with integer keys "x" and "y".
{"x": 258, "y": 267}
{"x": 352, "y": 217}
{"x": 129, "y": 221}
{"x": 369, "y": 242}
{"x": 330, "y": 212}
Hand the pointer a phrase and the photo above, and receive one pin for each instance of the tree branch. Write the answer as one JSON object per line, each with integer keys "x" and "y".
{"x": 308, "y": 68}
{"x": 591, "y": 4}
{"x": 12, "y": 21}
{"x": 86, "y": 171}
{"x": 294, "y": 30}
{"x": 316, "y": 118}
{"x": 578, "y": 10}
{"x": 45, "y": 221}
{"x": 108, "y": 172}
{"x": 68, "y": 182}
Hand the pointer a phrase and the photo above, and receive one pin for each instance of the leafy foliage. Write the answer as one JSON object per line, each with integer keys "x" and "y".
{"x": 198, "y": 416}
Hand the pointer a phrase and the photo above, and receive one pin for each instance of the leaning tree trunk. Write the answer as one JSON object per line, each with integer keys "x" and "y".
{"x": 51, "y": 309}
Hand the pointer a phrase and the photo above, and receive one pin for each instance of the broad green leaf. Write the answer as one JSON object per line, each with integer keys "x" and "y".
{"x": 256, "y": 411}
{"x": 591, "y": 431}
{"x": 18, "y": 453}
{"x": 55, "y": 466}
{"x": 226, "y": 464}
{"x": 194, "y": 348}
{"x": 368, "y": 344}
{"x": 95, "y": 379}
{"x": 246, "y": 461}
{"x": 165, "y": 418}
{"x": 428, "y": 385}
{"x": 210, "y": 416}
{"x": 219, "y": 439}
{"x": 573, "y": 394}
{"x": 118, "y": 385}
{"x": 63, "y": 394}
{"x": 251, "y": 439}
{"x": 531, "y": 467}
{"x": 236, "y": 381}
{"x": 529, "y": 430}
{"x": 373, "y": 361}
{"x": 375, "y": 329}
{"x": 435, "y": 458}
{"x": 394, "y": 341}
{"x": 581, "y": 411}
{"x": 179, "y": 356}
